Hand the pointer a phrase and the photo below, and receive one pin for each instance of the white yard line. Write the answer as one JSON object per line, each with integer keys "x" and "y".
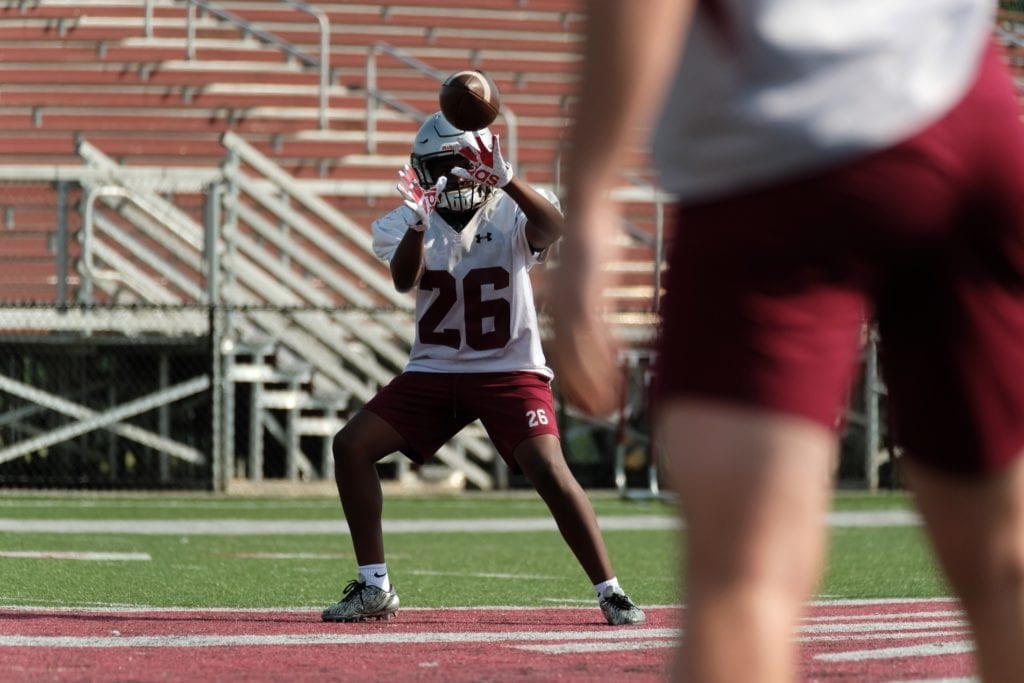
{"x": 485, "y": 575}
{"x": 948, "y": 635}
{"x": 891, "y": 623}
{"x": 288, "y": 556}
{"x": 871, "y": 518}
{"x": 73, "y": 555}
{"x": 958, "y": 634}
{"x": 316, "y": 527}
{"x": 155, "y": 503}
{"x": 585, "y": 648}
{"x": 547, "y": 642}
{"x": 121, "y": 609}
{"x": 957, "y": 647}
{"x": 941, "y": 614}
{"x": 189, "y": 641}
{"x": 867, "y": 602}
{"x": 245, "y": 527}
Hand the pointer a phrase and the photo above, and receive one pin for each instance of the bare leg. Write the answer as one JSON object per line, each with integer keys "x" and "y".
{"x": 754, "y": 489}
{"x": 544, "y": 465}
{"x": 363, "y": 441}
{"x": 977, "y": 530}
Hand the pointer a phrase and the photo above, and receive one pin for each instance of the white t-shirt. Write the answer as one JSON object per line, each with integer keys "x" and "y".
{"x": 796, "y": 85}
{"x": 474, "y": 305}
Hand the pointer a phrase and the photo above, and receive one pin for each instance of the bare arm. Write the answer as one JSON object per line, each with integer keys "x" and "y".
{"x": 629, "y": 56}
{"x": 487, "y": 166}
{"x": 418, "y": 205}
{"x": 407, "y": 262}
{"x": 544, "y": 221}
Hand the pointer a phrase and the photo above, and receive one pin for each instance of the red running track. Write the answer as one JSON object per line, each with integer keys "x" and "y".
{"x": 871, "y": 641}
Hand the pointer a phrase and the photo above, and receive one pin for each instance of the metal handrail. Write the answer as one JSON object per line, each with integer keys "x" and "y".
{"x": 374, "y": 97}
{"x": 657, "y": 197}
{"x": 89, "y": 269}
{"x": 323, "y": 63}
{"x": 659, "y": 232}
{"x": 325, "y": 53}
{"x": 358, "y": 239}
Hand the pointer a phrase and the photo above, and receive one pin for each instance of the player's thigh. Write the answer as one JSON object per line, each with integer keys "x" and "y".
{"x": 754, "y": 486}
{"x": 541, "y": 459}
{"x": 366, "y": 436}
{"x": 953, "y": 369}
{"x": 976, "y": 524}
{"x": 951, "y": 314}
{"x": 764, "y": 305}
{"x": 513, "y": 408}
{"x": 421, "y": 408}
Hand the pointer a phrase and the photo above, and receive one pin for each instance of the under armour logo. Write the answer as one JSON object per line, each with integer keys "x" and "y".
{"x": 481, "y": 238}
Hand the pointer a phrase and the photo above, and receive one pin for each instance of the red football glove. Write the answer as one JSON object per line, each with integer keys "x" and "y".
{"x": 418, "y": 203}
{"x": 487, "y": 166}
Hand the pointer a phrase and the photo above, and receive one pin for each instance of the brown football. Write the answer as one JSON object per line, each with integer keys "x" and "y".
{"x": 469, "y": 100}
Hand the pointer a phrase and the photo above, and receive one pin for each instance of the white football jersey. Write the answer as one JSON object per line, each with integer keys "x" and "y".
{"x": 474, "y": 304}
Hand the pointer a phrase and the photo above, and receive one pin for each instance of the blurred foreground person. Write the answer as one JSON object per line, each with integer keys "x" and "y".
{"x": 834, "y": 161}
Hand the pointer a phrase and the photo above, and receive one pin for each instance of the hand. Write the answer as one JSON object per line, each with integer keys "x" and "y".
{"x": 583, "y": 352}
{"x": 419, "y": 203}
{"x": 487, "y": 166}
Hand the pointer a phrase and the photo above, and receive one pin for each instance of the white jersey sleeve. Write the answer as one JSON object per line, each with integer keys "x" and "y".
{"x": 533, "y": 257}
{"x": 388, "y": 231}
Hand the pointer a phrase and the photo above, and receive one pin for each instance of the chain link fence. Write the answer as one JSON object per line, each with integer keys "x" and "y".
{"x": 212, "y": 327}
{"x": 105, "y": 397}
{"x": 148, "y": 396}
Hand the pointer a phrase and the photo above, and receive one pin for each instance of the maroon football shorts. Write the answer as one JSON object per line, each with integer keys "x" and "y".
{"x": 767, "y": 292}
{"x": 429, "y": 408}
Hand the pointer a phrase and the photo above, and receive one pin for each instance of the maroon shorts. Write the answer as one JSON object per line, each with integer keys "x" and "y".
{"x": 768, "y": 290}
{"x": 429, "y": 408}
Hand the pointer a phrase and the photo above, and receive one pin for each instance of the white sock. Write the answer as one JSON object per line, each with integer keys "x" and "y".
{"x": 375, "y": 575}
{"x": 599, "y": 587}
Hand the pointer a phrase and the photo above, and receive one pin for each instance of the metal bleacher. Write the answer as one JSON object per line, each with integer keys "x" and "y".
{"x": 190, "y": 153}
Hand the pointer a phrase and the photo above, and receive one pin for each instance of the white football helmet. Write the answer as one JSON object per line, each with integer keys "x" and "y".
{"x": 435, "y": 151}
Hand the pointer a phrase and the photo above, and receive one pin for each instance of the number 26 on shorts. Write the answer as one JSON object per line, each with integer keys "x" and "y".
{"x": 535, "y": 418}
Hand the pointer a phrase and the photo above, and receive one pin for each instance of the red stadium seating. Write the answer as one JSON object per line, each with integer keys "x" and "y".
{"x": 87, "y": 70}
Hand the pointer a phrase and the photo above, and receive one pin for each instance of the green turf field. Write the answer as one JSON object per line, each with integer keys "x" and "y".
{"x": 237, "y": 560}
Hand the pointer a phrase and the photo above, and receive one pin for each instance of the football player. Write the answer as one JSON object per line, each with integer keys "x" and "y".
{"x": 465, "y": 237}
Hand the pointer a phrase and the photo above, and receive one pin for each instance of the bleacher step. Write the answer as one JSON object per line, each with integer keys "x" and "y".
{"x": 268, "y": 374}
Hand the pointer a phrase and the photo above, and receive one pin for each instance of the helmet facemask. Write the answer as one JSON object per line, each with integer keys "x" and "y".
{"x": 435, "y": 153}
